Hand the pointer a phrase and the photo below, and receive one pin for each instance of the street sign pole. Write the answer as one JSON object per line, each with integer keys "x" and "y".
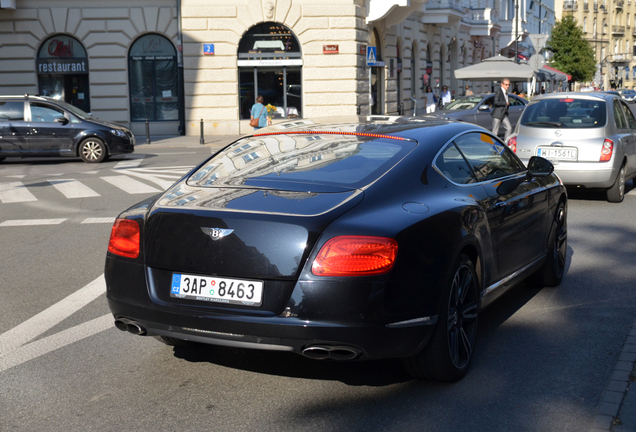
{"x": 371, "y": 60}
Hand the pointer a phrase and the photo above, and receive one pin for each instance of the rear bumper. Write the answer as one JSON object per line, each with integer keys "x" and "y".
{"x": 374, "y": 341}
{"x": 587, "y": 174}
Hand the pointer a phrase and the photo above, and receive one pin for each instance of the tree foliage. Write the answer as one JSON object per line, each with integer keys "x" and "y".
{"x": 572, "y": 54}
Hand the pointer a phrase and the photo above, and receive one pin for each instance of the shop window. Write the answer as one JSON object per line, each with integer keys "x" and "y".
{"x": 153, "y": 79}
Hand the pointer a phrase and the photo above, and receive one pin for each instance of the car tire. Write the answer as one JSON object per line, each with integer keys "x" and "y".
{"x": 616, "y": 193}
{"x": 170, "y": 341}
{"x": 92, "y": 150}
{"x": 553, "y": 269}
{"x": 450, "y": 350}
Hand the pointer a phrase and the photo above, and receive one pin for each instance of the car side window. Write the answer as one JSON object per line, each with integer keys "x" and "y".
{"x": 514, "y": 101}
{"x": 453, "y": 166}
{"x": 488, "y": 102}
{"x": 44, "y": 113}
{"x": 488, "y": 158}
{"x": 619, "y": 119}
{"x": 631, "y": 122}
{"x": 11, "y": 111}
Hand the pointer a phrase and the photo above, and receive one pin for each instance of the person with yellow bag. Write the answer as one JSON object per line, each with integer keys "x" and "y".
{"x": 259, "y": 117}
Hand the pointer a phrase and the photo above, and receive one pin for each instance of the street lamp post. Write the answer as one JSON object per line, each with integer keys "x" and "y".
{"x": 516, "y": 31}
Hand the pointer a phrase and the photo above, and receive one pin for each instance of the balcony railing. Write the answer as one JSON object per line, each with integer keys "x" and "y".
{"x": 620, "y": 58}
{"x": 570, "y": 5}
{"x": 618, "y": 29}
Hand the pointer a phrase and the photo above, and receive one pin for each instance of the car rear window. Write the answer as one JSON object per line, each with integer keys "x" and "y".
{"x": 268, "y": 161}
{"x": 565, "y": 113}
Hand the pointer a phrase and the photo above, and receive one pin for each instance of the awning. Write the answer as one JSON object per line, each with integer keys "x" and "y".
{"x": 553, "y": 74}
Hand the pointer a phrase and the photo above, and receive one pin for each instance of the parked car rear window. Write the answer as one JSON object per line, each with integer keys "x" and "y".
{"x": 465, "y": 103}
{"x": 565, "y": 113}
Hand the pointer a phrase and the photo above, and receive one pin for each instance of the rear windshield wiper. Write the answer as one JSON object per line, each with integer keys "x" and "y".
{"x": 555, "y": 124}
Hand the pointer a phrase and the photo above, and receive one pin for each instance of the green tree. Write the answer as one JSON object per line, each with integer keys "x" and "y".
{"x": 572, "y": 54}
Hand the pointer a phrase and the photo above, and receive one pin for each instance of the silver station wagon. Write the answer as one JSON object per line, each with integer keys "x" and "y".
{"x": 589, "y": 137}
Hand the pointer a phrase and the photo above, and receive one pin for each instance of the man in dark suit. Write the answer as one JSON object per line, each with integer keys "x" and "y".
{"x": 500, "y": 110}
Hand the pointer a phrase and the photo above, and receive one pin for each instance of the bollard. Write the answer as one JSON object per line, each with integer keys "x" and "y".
{"x": 147, "y": 132}
{"x": 201, "y": 140}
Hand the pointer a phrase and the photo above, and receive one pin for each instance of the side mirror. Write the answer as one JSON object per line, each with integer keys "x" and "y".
{"x": 484, "y": 108}
{"x": 540, "y": 167}
{"x": 62, "y": 120}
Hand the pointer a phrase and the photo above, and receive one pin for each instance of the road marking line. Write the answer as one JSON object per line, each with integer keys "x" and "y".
{"x": 15, "y": 192}
{"x": 20, "y": 176}
{"x": 131, "y": 162}
{"x": 109, "y": 220}
{"x": 51, "y": 316}
{"x": 130, "y": 185}
{"x": 72, "y": 188}
{"x": 31, "y": 222}
{"x": 56, "y": 341}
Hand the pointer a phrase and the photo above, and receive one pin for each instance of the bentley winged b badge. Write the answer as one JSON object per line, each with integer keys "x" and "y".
{"x": 217, "y": 233}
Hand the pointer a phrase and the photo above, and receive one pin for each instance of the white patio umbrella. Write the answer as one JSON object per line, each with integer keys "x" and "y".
{"x": 495, "y": 69}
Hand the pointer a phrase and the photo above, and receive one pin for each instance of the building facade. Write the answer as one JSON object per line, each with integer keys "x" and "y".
{"x": 609, "y": 27}
{"x": 176, "y": 63}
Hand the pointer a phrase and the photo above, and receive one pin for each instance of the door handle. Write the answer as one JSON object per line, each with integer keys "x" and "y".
{"x": 500, "y": 205}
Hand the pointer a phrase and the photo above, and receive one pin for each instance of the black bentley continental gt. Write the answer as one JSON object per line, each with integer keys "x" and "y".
{"x": 361, "y": 238}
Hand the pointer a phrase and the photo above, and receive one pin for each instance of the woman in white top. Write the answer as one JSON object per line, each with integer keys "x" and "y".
{"x": 431, "y": 100}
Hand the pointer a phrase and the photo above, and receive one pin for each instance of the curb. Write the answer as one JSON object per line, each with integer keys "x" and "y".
{"x": 617, "y": 409}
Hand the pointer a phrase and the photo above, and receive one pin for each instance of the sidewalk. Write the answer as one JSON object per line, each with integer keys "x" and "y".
{"x": 184, "y": 141}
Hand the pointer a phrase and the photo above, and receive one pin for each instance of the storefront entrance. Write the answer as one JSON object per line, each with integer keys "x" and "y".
{"x": 62, "y": 67}
{"x": 270, "y": 65}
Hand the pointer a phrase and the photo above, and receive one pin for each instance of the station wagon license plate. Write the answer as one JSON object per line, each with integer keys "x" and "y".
{"x": 558, "y": 153}
{"x": 216, "y": 289}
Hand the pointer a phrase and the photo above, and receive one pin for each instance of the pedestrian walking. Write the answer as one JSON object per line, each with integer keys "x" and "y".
{"x": 431, "y": 100}
{"x": 500, "y": 110}
{"x": 259, "y": 117}
{"x": 468, "y": 91}
{"x": 446, "y": 96}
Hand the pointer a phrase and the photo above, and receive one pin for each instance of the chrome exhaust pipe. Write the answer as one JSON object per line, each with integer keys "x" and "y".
{"x": 331, "y": 352}
{"x": 130, "y": 326}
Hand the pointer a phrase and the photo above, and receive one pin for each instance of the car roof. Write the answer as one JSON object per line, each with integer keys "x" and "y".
{"x": 579, "y": 95}
{"x": 28, "y": 96}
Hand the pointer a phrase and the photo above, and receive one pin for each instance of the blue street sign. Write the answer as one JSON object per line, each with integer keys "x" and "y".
{"x": 371, "y": 56}
{"x": 208, "y": 49}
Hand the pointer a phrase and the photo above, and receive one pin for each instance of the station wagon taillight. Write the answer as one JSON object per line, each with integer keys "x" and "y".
{"x": 355, "y": 256}
{"x": 124, "y": 238}
{"x": 607, "y": 150}
{"x": 512, "y": 144}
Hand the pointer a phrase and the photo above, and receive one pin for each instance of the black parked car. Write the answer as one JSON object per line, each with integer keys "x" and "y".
{"x": 41, "y": 126}
{"x": 362, "y": 239}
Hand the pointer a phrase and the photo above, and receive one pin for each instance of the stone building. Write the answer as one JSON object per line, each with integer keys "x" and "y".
{"x": 177, "y": 62}
{"x": 609, "y": 27}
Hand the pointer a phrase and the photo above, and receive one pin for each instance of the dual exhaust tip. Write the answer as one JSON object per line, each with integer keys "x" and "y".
{"x": 130, "y": 326}
{"x": 331, "y": 352}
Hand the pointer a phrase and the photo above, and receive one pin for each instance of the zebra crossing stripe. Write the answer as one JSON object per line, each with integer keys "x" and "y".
{"x": 31, "y": 222}
{"x": 15, "y": 192}
{"x": 72, "y": 188}
{"x": 130, "y": 185}
{"x": 131, "y": 162}
{"x": 108, "y": 220}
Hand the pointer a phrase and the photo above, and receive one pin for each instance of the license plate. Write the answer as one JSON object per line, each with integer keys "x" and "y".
{"x": 558, "y": 153}
{"x": 216, "y": 289}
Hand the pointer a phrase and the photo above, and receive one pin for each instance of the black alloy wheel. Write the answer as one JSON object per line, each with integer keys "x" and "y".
{"x": 451, "y": 349}
{"x": 552, "y": 272}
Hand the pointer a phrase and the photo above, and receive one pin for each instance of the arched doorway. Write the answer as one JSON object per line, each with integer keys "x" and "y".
{"x": 377, "y": 76}
{"x": 270, "y": 65}
{"x": 153, "y": 81}
{"x": 62, "y": 67}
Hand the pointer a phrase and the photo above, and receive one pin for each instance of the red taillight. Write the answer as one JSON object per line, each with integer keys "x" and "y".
{"x": 355, "y": 256}
{"x": 607, "y": 150}
{"x": 124, "y": 238}
{"x": 512, "y": 143}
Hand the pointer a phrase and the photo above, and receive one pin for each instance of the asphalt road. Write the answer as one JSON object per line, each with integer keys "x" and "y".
{"x": 543, "y": 360}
